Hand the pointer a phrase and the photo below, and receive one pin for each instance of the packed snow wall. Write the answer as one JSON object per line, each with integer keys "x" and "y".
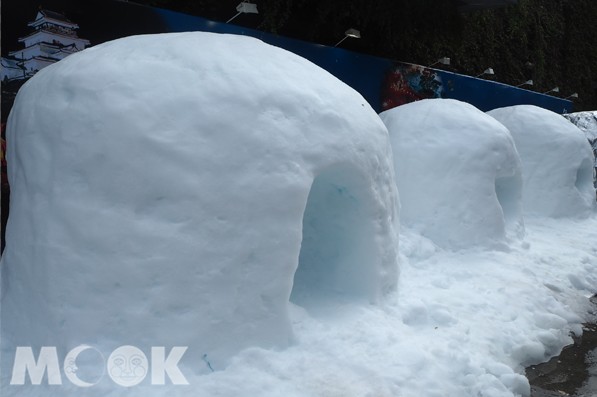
{"x": 557, "y": 161}
{"x": 458, "y": 173}
{"x": 587, "y": 123}
{"x": 158, "y": 197}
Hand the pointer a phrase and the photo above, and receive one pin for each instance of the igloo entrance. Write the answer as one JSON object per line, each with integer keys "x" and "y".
{"x": 509, "y": 194}
{"x": 584, "y": 177}
{"x": 336, "y": 260}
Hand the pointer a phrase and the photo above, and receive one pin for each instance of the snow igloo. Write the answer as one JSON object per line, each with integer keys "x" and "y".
{"x": 163, "y": 196}
{"x": 557, "y": 161}
{"x": 458, "y": 173}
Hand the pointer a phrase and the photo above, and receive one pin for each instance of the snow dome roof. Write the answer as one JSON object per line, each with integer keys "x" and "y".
{"x": 556, "y": 158}
{"x": 457, "y": 172}
{"x": 167, "y": 195}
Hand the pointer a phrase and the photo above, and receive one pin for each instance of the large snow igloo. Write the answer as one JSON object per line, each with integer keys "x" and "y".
{"x": 557, "y": 161}
{"x": 163, "y": 196}
{"x": 458, "y": 173}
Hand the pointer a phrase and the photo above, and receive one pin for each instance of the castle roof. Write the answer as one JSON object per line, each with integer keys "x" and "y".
{"x": 46, "y": 15}
{"x": 54, "y": 15}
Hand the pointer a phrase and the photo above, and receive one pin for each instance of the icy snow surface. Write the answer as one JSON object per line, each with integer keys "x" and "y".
{"x": 557, "y": 161}
{"x": 586, "y": 122}
{"x": 463, "y": 324}
{"x": 457, "y": 172}
{"x": 110, "y": 230}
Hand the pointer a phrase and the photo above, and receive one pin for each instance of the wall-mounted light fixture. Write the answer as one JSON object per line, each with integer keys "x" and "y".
{"x": 442, "y": 60}
{"x": 528, "y": 82}
{"x": 572, "y": 96}
{"x": 355, "y": 34}
{"x": 555, "y": 89}
{"x": 488, "y": 71}
{"x": 245, "y": 8}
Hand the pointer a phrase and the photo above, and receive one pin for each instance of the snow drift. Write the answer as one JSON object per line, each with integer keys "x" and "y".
{"x": 556, "y": 158}
{"x": 166, "y": 197}
{"x": 587, "y": 123}
{"x": 457, "y": 171}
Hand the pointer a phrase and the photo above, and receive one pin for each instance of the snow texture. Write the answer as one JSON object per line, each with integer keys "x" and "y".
{"x": 158, "y": 196}
{"x": 557, "y": 161}
{"x": 162, "y": 197}
{"x": 458, "y": 173}
{"x": 586, "y": 122}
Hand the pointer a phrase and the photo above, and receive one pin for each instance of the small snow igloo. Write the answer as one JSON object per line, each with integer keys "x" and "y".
{"x": 163, "y": 196}
{"x": 557, "y": 161}
{"x": 458, "y": 173}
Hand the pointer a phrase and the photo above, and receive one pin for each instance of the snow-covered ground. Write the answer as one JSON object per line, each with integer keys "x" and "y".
{"x": 463, "y": 324}
{"x": 199, "y": 198}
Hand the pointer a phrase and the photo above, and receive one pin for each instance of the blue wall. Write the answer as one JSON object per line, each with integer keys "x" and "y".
{"x": 377, "y": 78}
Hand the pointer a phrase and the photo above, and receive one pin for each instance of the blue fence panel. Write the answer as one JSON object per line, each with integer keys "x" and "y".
{"x": 382, "y": 82}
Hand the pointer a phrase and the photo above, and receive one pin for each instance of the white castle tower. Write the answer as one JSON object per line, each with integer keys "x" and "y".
{"x": 54, "y": 37}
